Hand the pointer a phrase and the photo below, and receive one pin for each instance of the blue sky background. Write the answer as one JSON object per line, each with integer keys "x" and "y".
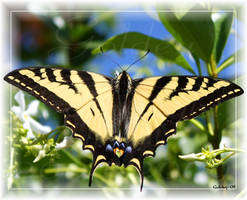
{"x": 143, "y": 23}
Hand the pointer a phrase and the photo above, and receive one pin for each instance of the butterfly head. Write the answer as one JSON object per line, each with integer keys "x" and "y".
{"x": 124, "y": 76}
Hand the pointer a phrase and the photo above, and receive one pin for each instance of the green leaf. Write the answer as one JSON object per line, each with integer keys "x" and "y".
{"x": 133, "y": 40}
{"x": 194, "y": 30}
{"x": 222, "y": 29}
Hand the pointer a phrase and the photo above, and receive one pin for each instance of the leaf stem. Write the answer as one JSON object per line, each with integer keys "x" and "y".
{"x": 64, "y": 169}
{"x": 209, "y": 69}
{"x": 198, "y": 124}
{"x": 209, "y": 127}
{"x": 213, "y": 66}
{"x": 230, "y": 60}
{"x": 217, "y": 132}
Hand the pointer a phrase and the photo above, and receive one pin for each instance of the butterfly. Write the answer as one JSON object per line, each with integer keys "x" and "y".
{"x": 122, "y": 120}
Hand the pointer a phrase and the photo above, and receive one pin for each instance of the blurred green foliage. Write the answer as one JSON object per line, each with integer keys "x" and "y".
{"x": 202, "y": 37}
{"x": 42, "y": 37}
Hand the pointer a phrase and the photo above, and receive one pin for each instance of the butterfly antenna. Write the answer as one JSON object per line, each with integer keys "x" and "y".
{"x": 101, "y": 49}
{"x": 138, "y": 59}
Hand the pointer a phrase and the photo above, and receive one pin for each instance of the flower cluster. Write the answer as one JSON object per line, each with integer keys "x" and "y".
{"x": 36, "y": 132}
{"x": 210, "y": 157}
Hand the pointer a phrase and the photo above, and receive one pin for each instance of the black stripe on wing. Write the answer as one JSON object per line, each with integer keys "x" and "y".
{"x": 159, "y": 85}
{"x": 204, "y": 103}
{"x": 198, "y": 83}
{"x": 88, "y": 80}
{"x": 50, "y": 74}
{"x": 42, "y": 93}
{"x": 37, "y": 72}
{"x": 65, "y": 74}
{"x": 182, "y": 82}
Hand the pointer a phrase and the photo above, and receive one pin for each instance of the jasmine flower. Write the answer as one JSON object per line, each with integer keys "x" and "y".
{"x": 67, "y": 141}
{"x": 41, "y": 155}
{"x": 25, "y": 115}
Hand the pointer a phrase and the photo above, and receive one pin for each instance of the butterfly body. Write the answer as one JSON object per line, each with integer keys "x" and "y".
{"x": 122, "y": 120}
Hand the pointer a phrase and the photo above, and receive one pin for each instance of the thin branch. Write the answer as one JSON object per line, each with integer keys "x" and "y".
{"x": 226, "y": 63}
{"x": 217, "y": 132}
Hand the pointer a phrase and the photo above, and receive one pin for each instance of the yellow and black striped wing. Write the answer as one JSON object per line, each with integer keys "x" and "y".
{"x": 158, "y": 103}
{"x": 134, "y": 116}
{"x": 79, "y": 95}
